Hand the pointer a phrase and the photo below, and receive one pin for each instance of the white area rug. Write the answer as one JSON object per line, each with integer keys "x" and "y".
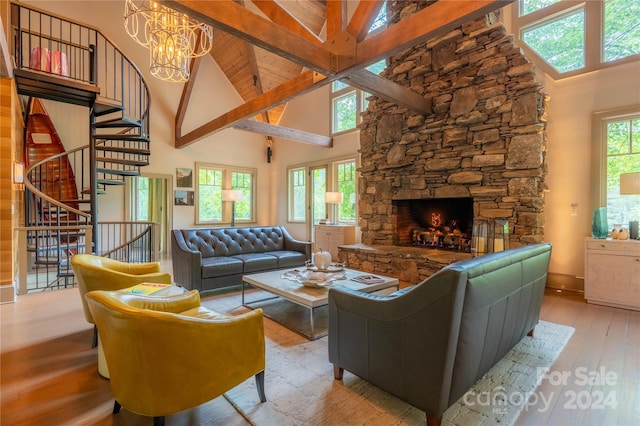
{"x": 301, "y": 390}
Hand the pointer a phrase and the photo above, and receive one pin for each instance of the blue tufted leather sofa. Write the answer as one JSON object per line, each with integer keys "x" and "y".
{"x": 205, "y": 259}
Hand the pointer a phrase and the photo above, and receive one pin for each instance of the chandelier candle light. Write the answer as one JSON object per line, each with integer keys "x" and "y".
{"x": 172, "y": 37}
{"x": 232, "y": 195}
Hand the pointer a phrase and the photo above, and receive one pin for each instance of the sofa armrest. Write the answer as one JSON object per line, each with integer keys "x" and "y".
{"x": 186, "y": 262}
{"x": 292, "y": 244}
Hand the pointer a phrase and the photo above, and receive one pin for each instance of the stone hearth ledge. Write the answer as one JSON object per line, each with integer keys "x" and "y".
{"x": 410, "y": 265}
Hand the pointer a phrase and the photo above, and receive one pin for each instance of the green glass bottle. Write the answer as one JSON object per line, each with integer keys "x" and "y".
{"x": 599, "y": 227}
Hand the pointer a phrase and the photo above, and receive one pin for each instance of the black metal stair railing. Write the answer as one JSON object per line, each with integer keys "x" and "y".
{"x": 67, "y": 61}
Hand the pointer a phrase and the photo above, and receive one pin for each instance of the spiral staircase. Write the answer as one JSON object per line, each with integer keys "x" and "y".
{"x": 66, "y": 61}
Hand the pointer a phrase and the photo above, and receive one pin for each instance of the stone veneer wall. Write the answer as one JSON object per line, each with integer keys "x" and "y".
{"x": 484, "y": 138}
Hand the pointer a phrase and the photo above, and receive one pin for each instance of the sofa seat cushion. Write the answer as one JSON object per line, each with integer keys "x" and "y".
{"x": 202, "y": 312}
{"x": 219, "y": 266}
{"x": 255, "y": 262}
{"x": 288, "y": 258}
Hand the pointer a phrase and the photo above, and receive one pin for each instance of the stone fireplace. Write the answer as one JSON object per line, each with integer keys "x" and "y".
{"x": 483, "y": 141}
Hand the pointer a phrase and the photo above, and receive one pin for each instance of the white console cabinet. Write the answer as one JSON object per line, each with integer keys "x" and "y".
{"x": 329, "y": 237}
{"x": 612, "y": 273}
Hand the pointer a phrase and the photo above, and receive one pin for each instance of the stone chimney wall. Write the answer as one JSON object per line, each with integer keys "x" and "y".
{"x": 483, "y": 138}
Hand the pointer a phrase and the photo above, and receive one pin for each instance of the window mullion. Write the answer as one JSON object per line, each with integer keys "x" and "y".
{"x": 594, "y": 37}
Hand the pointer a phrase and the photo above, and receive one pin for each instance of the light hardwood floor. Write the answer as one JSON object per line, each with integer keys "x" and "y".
{"x": 49, "y": 371}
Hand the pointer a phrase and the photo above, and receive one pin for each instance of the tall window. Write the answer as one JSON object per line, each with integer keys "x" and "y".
{"x": 212, "y": 179}
{"x": 623, "y": 156}
{"x": 556, "y": 31}
{"x": 346, "y": 183}
{"x": 616, "y": 151}
{"x": 297, "y": 195}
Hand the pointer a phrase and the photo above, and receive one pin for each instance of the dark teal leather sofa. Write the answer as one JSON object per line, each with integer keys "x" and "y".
{"x": 429, "y": 343}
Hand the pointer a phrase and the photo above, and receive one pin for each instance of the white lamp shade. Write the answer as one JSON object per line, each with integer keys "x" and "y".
{"x": 630, "y": 183}
{"x": 232, "y": 195}
{"x": 333, "y": 197}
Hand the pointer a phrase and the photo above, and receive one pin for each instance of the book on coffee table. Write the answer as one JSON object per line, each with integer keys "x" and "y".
{"x": 147, "y": 289}
{"x": 368, "y": 279}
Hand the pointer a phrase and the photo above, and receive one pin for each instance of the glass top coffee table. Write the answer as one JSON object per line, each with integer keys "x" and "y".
{"x": 282, "y": 286}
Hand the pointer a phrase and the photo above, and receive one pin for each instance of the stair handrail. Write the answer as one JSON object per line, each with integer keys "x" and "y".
{"x": 35, "y": 191}
{"x": 133, "y": 239}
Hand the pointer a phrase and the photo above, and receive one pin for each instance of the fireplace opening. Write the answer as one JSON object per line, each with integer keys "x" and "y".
{"x": 442, "y": 223}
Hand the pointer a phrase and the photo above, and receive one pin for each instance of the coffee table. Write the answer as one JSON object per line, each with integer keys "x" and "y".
{"x": 307, "y": 297}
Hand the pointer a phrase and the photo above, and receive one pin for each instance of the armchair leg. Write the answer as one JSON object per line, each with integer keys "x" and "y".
{"x": 433, "y": 421}
{"x": 158, "y": 421}
{"x": 337, "y": 372}
{"x": 116, "y": 407}
{"x": 260, "y": 386}
{"x": 530, "y": 333}
{"x": 94, "y": 343}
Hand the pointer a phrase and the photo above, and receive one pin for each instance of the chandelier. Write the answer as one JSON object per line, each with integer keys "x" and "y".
{"x": 171, "y": 36}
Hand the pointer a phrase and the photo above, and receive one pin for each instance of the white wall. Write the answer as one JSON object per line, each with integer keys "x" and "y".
{"x": 310, "y": 113}
{"x": 573, "y": 102}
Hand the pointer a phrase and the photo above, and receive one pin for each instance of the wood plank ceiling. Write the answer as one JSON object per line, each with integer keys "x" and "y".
{"x": 272, "y": 51}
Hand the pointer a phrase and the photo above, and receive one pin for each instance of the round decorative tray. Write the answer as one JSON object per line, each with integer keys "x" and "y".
{"x": 331, "y": 268}
{"x": 316, "y": 283}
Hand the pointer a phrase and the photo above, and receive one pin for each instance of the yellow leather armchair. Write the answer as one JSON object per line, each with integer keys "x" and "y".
{"x": 102, "y": 273}
{"x": 168, "y": 354}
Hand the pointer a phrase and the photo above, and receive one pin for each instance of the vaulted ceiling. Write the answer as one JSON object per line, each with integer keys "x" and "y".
{"x": 272, "y": 51}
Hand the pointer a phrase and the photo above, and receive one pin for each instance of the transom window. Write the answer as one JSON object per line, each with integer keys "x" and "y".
{"x": 212, "y": 179}
{"x": 347, "y": 103}
{"x": 556, "y": 32}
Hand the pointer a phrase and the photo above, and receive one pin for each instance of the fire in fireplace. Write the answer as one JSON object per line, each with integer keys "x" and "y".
{"x": 443, "y": 223}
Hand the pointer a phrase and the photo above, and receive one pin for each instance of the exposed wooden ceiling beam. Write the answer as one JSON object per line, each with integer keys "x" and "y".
{"x": 432, "y": 21}
{"x": 284, "y": 132}
{"x": 305, "y": 82}
{"x": 234, "y": 19}
{"x": 281, "y": 17}
{"x": 363, "y": 18}
{"x": 186, "y": 94}
{"x": 386, "y": 89}
{"x": 336, "y": 17}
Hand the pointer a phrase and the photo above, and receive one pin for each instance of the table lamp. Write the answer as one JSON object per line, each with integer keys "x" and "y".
{"x": 333, "y": 198}
{"x": 630, "y": 185}
{"x": 232, "y": 195}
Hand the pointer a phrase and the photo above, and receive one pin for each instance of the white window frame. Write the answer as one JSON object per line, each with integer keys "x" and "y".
{"x": 332, "y": 183}
{"x": 599, "y": 153}
{"x": 227, "y": 172}
{"x": 593, "y": 36}
{"x": 360, "y": 107}
{"x": 291, "y": 194}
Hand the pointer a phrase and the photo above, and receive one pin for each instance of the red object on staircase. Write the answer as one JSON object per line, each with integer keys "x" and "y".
{"x": 55, "y": 178}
